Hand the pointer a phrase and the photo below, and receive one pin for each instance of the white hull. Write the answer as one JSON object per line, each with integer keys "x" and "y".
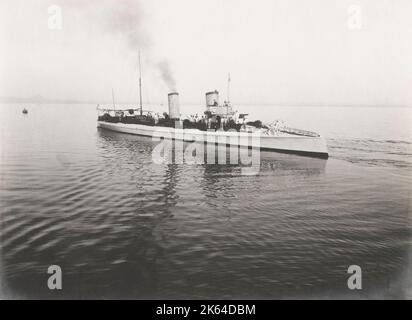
{"x": 308, "y": 146}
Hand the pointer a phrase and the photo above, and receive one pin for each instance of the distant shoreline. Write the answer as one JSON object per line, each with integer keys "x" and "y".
{"x": 41, "y": 100}
{"x": 129, "y": 104}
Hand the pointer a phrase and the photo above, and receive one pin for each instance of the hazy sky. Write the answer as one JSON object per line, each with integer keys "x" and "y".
{"x": 277, "y": 51}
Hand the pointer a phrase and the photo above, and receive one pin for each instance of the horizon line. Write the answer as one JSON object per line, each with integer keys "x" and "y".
{"x": 41, "y": 100}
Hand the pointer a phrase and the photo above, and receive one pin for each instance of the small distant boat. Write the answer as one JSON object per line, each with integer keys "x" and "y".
{"x": 25, "y": 111}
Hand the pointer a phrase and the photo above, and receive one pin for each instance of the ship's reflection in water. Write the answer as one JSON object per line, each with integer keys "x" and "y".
{"x": 122, "y": 226}
{"x": 185, "y": 214}
{"x": 161, "y": 241}
{"x": 227, "y": 181}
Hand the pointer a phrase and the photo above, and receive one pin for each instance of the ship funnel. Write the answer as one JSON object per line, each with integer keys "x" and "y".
{"x": 212, "y": 99}
{"x": 174, "y": 105}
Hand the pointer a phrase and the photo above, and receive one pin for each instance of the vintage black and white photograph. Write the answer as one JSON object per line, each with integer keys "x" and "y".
{"x": 205, "y": 150}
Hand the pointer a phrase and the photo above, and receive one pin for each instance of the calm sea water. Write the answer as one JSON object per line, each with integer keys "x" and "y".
{"x": 120, "y": 226}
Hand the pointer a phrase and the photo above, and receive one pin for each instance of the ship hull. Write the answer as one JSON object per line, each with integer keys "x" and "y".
{"x": 292, "y": 144}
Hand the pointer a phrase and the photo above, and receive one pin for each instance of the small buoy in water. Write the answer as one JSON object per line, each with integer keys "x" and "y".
{"x": 25, "y": 111}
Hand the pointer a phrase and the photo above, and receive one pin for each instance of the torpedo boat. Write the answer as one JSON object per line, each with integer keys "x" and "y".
{"x": 220, "y": 124}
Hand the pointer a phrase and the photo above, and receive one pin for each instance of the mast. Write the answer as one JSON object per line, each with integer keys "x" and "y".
{"x": 228, "y": 88}
{"x": 228, "y": 94}
{"x": 140, "y": 86}
{"x": 114, "y": 105}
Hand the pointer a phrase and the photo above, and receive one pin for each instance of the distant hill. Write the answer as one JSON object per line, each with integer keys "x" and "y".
{"x": 39, "y": 99}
